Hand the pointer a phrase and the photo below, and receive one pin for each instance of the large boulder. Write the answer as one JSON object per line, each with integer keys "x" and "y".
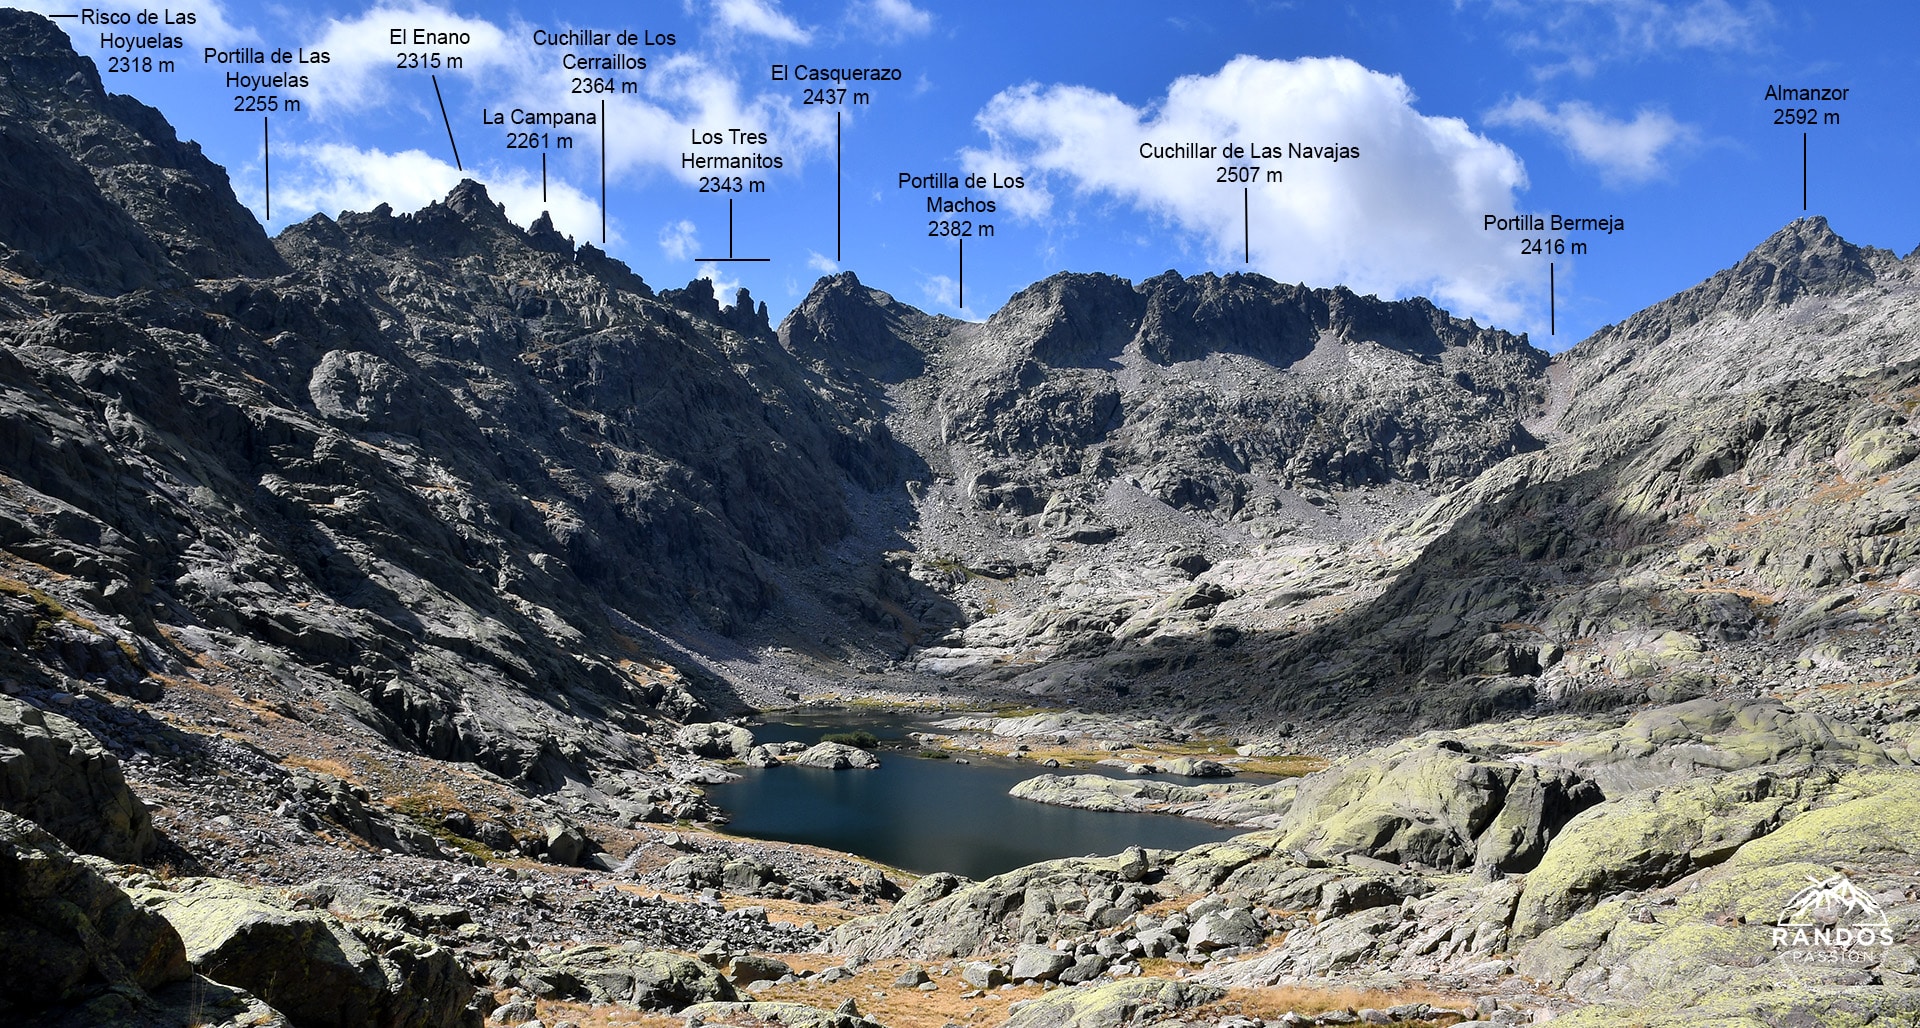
{"x": 786, "y": 1015}
{"x": 837, "y": 756}
{"x": 944, "y": 915}
{"x": 1679, "y": 743}
{"x": 1706, "y": 944}
{"x": 1098, "y": 792}
{"x": 1250, "y": 804}
{"x": 317, "y": 970}
{"x": 1224, "y": 928}
{"x": 1037, "y": 963}
{"x": 56, "y": 774}
{"x": 1136, "y": 1001}
{"x": 715, "y": 740}
{"x": 1656, "y": 836}
{"x": 1196, "y": 767}
{"x": 1437, "y": 802}
{"x": 634, "y": 976}
{"x": 67, "y": 934}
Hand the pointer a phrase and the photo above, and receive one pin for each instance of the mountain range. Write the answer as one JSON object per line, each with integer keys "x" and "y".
{"x": 307, "y": 523}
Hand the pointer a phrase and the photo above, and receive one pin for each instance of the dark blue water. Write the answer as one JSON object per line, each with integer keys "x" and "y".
{"x": 925, "y": 815}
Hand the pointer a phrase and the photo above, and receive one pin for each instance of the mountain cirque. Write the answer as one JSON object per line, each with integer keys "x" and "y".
{"x": 375, "y": 594}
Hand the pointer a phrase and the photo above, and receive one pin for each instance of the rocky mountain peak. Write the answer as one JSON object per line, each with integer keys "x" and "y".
{"x": 1188, "y": 318}
{"x": 467, "y": 221}
{"x": 541, "y": 235}
{"x": 101, "y": 193}
{"x": 1784, "y": 311}
{"x": 843, "y": 323}
{"x": 1070, "y": 319}
{"x": 1803, "y": 259}
{"x": 469, "y": 199}
{"x": 35, "y": 55}
{"x": 1806, "y": 257}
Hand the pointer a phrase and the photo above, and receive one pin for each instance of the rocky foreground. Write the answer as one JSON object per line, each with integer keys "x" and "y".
{"x": 1579, "y": 867}
{"x": 376, "y": 600}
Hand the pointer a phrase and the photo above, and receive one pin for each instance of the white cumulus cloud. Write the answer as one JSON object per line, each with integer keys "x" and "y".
{"x": 1584, "y": 35}
{"x": 679, "y": 240}
{"x": 895, "y": 17}
{"x": 1624, "y": 151}
{"x": 760, "y": 18}
{"x": 938, "y": 289}
{"x": 361, "y": 71}
{"x": 1404, "y": 217}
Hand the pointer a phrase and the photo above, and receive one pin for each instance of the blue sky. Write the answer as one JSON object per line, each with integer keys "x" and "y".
{"x": 1651, "y": 111}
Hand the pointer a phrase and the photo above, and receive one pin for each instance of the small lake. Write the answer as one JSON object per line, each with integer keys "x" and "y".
{"x": 926, "y": 815}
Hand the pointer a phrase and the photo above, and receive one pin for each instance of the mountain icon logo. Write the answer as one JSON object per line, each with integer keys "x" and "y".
{"x": 1832, "y": 920}
{"x": 1825, "y": 901}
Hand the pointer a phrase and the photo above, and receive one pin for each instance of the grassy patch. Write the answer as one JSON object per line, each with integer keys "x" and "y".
{"x": 323, "y": 766}
{"x": 860, "y": 738}
{"x": 1272, "y": 1002}
{"x": 53, "y": 609}
{"x": 873, "y": 991}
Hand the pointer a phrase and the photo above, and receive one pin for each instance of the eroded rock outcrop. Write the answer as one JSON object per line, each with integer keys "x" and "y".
{"x": 635, "y": 977}
{"x": 835, "y": 756}
{"x": 67, "y": 934}
{"x": 56, "y": 774}
{"x": 309, "y": 965}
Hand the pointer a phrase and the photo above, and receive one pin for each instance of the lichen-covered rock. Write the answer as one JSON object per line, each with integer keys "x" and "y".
{"x": 57, "y": 775}
{"x": 1657, "y": 836}
{"x": 1038, "y": 963}
{"x": 1223, "y": 928}
{"x": 635, "y": 977}
{"x": 67, "y": 934}
{"x": 787, "y": 1015}
{"x": 1196, "y": 767}
{"x": 1703, "y": 949}
{"x": 1677, "y": 743}
{"x": 751, "y": 968}
{"x": 1099, "y": 792}
{"x": 309, "y": 965}
{"x": 944, "y": 915}
{"x": 1435, "y": 802}
{"x": 1140, "y": 1000}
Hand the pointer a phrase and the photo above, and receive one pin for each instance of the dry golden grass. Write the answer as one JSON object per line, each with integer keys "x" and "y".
{"x": 873, "y": 991}
{"x": 1072, "y": 756}
{"x": 601, "y": 1016}
{"x": 324, "y": 765}
{"x": 1271, "y": 1002}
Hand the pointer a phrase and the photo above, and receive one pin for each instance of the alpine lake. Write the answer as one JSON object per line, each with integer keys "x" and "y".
{"x": 925, "y": 814}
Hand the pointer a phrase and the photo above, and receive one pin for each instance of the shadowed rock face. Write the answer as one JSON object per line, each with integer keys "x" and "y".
{"x": 57, "y": 775}
{"x": 1214, "y": 391}
{"x": 67, "y": 933}
{"x": 445, "y": 469}
{"x": 102, "y": 194}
